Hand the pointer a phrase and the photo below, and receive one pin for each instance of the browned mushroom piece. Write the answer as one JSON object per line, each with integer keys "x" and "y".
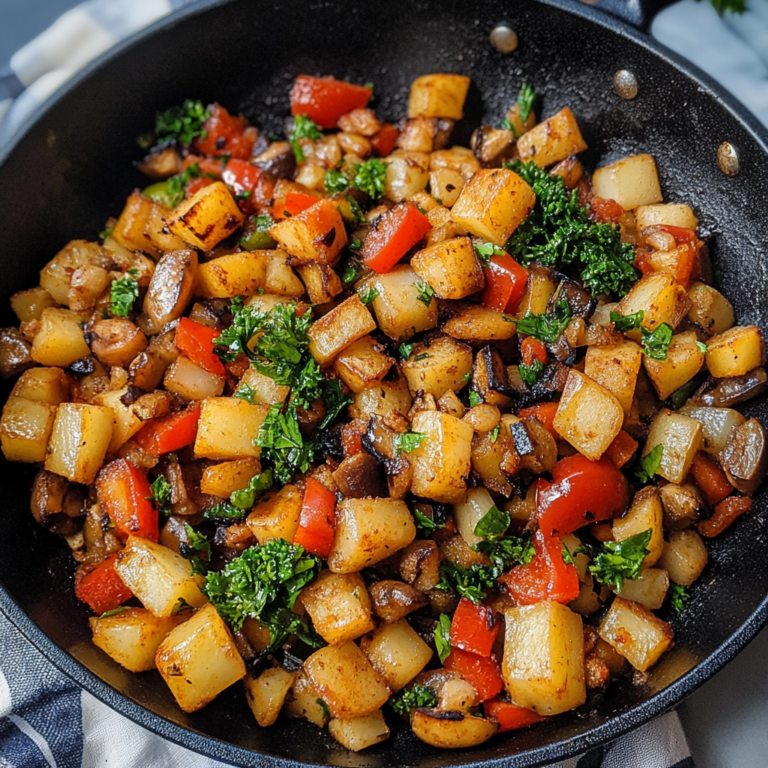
{"x": 683, "y": 505}
{"x": 278, "y": 160}
{"x": 56, "y": 504}
{"x": 392, "y": 600}
{"x": 725, "y": 393}
{"x": 15, "y": 354}
{"x": 420, "y": 565}
{"x": 745, "y": 456}
{"x": 170, "y": 289}
{"x": 117, "y": 341}
{"x": 360, "y": 476}
{"x": 161, "y": 164}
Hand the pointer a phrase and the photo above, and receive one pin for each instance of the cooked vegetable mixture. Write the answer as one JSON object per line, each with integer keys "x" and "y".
{"x": 378, "y": 426}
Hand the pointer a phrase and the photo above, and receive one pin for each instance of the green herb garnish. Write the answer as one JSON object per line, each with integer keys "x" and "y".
{"x": 678, "y": 596}
{"x": 547, "y": 326}
{"x": 656, "y": 343}
{"x": 197, "y": 549}
{"x": 649, "y": 465}
{"x": 425, "y": 292}
{"x": 182, "y": 124}
{"x": 474, "y": 398}
{"x": 620, "y": 560}
{"x": 408, "y": 441}
{"x": 122, "y": 294}
{"x": 530, "y": 373}
{"x": 493, "y": 523}
{"x": 405, "y": 350}
{"x": 114, "y": 612}
{"x": 161, "y": 495}
{"x": 336, "y": 182}
{"x": 369, "y": 177}
{"x": 443, "y": 637}
{"x": 303, "y": 128}
{"x": 411, "y": 698}
{"x": 486, "y": 251}
{"x": 525, "y": 100}
{"x": 246, "y": 498}
{"x": 367, "y": 295}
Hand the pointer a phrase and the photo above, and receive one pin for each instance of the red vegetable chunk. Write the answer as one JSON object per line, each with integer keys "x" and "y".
{"x": 505, "y": 283}
{"x": 102, "y": 589}
{"x": 474, "y": 628}
{"x": 195, "y": 341}
{"x": 123, "y": 492}
{"x": 169, "y": 433}
{"x": 324, "y": 99}
{"x": 481, "y": 672}
{"x": 396, "y": 232}
{"x": 317, "y": 519}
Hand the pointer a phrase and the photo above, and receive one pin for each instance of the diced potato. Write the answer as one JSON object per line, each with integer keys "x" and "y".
{"x": 25, "y": 428}
{"x": 224, "y": 479}
{"x": 316, "y": 234}
{"x": 671, "y": 214}
{"x": 360, "y": 732}
{"x": 265, "y": 390}
{"x": 716, "y": 425}
{"x": 132, "y": 637}
{"x": 362, "y": 364}
{"x": 638, "y": 635}
{"x": 43, "y": 385}
{"x": 346, "y": 681}
{"x": 650, "y": 590}
{"x": 158, "y": 576}
{"x": 337, "y": 329}
{"x": 281, "y": 278}
{"x": 199, "y": 659}
{"x": 493, "y": 204}
{"x": 446, "y": 185}
{"x": 29, "y": 305}
{"x": 588, "y": 416}
{"x": 437, "y": 365}
{"x": 368, "y": 531}
{"x": 339, "y": 606}
{"x": 469, "y": 512}
{"x": 397, "y": 653}
{"x": 266, "y": 693}
{"x": 459, "y": 159}
{"x": 125, "y": 422}
{"x": 381, "y": 399}
{"x": 60, "y": 341}
{"x": 441, "y": 464}
{"x": 685, "y": 557}
{"x": 438, "y": 95}
{"x": 406, "y": 175}
{"x": 206, "y": 218}
{"x": 322, "y": 282}
{"x": 538, "y": 292}
{"x": 661, "y": 299}
{"x": 731, "y": 353}
{"x": 130, "y": 230}
{"x": 631, "y": 182}
{"x": 398, "y": 310}
{"x": 157, "y": 230}
{"x": 79, "y": 440}
{"x": 448, "y": 729}
{"x": 615, "y": 368}
{"x": 56, "y": 275}
{"x": 304, "y": 701}
{"x": 227, "y": 428}
{"x": 475, "y": 322}
{"x": 684, "y": 361}
{"x": 192, "y": 382}
{"x": 451, "y": 268}
{"x": 552, "y": 140}
{"x": 645, "y": 513}
{"x": 710, "y": 309}
{"x": 680, "y": 437}
{"x": 543, "y": 665}
{"x": 276, "y": 515}
{"x": 235, "y": 274}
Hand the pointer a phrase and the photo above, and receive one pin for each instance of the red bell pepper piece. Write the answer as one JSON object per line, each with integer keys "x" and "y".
{"x": 510, "y": 716}
{"x": 226, "y": 135}
{"x": 505, "y": 283}
{"x": 583, "y": 492}
{"x": 169, "y": 433}
{"x": 195, "y": 341}
{"x": 293, "y": 204}
{"x": 622, "y": 449}
{"x": 317, "y": 519}
{"x": 102, "y": 589}
{"x": 384, "y": 140}
{"x": 395, "y": 233}
{"x": 546, "y": 577}
{"x": 710, "y": 478}
{"x": 325, "y": 99}
{"x": 207, "y": 165}
{"x": 123, "y": 492}
{"x": 243, "y": 178}
{"x": 481, "y": 672}
{"x": 545, "y": 413}
{"x": 606, "y": 210}
{"x": 531, "y": 350}
{"x": 474, "y": 628}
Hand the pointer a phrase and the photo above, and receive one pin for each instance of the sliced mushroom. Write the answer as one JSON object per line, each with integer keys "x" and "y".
{"x": 171, "y": 287}
{"x": 725, "y": 393}
{"x": 277, "y": 160}
{"x": 579, "y": 300}
{"x": 420, "y": 565}
{"x": 161, "y": 164}
{"x": 117, "y": 341}
{"x": 360, "y": 476}
{"x": 15, "y": 354}
{"x": 683, "y": 505}
{"x": 56, "y": 504}
{"x": 451, "y": 729}
{"x": 392, "y": 600}
{"x": 745, "y": 456}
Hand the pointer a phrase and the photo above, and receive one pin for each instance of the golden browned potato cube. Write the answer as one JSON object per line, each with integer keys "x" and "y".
{"x": 615, "y": 368}
{"x": 438, "y": 95}
{"x": 645, "y": 513}
{"x": 125, "y": 422}
{"x": 451, "y": 729}
{"x": 235, "y": 274}
{"x": 474, "y": 322}
{"x": 158, "y": 576}
{"x": 25, "y": 428}
{"x": 130, "y": 231}
{"x": 276, "y": 515}
{"x": 671, "y": 214}
{"x": 680, "y": 437}
{"x": 459, "y": 159}
{"x": 337, "y": 329}
{"x": 304, "y": 701}
{"x": 199, "y": 659}
{"x": 227, "y": 428}
{"x": 398, "y": 310}
{"x": 437, "y": 365}
{"x": 224, "y": 479}
{"x": 685, "y": 557}
{"x": 650, "y": 590}
{"x": 368, "y": 531}
{"x": 29, "y": 305}
{"x": 684, "y": 361}
{"x": 588, "y": 416}
{"x": 56, "y": 276}
{"x": 639, "y": 636}
{"x": 191, "y": 381}
{"x": 441, "y": 463}
{"x": 631, "y": 182}
{"x": 543, "y": 665}
{"x": 731, "y": 353}
{"x": 206, "y": 218}
{"x": 339, "y": 606}
{"x": 661, "y": 298}
{"x": 79, "y": 441}
{"x": 60, "y": 341}
{"x": 316, "y": 234}
{"x": 446, "y": 185}
{"x": 538, "y": 292}
{"x": 362, "y": 364}
{"x": 451, "y": 268}
{"x": 321, "y": 281}
{"x": 281, "y": 278}
{"x": 265, "y": 390}
{"x": 552, "y": 140}
{"x": 382, "y": 399}
{"x": 346, "y": 681}
{"x": 266, "y": 693}
{"x": 493, "y": 204}
{"x": 407, "y": 175}
{"x": 43, "y": 385}
{"x": 397, "y": 653}
{"x": 157, "y": 231}
{"x": 710, "y": 309}
{"x": 360, "y": 732}
{"x": 132, "y": 637}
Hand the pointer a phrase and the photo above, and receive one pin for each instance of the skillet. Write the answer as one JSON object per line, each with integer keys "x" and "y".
{"x": 72, "y": 168}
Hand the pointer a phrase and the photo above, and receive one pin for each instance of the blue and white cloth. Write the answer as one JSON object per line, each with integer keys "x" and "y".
{"x": 46, "y": 721}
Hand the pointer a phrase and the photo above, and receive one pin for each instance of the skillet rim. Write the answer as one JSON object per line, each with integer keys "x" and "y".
{"x": 215, "y": 748}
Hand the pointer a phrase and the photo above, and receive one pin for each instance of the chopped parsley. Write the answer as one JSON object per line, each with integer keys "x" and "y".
{"x": 248, "y": 393}
{"x": 425, "y": 526}
{"x": 369, "y": 177}
{"x": 351, "y": 272}
{"x": 411, "y": 698}
{"x": 335, "y": 400}
{"x": 425, "y": 292}
{"x": 324, "y": 707}
{"x": 336, "y": 182}
{"x": 367, "y": 295}
{"x": 508, "y": 550}
{"x": 443, "y": 637}
{"x": 122, "y": 294}
{"x": 702, "y": 347}
{"x": 197, "y": 549}
{"x": 493, "y": 523}
{"x": 408, "y": 441}
{"x": 283, "y": 444}
{"x": 495, "y": 433}
{"x": 680, "y": 396}
{"x": 649, "y": 464}
{"x": 486, "y": 251}
{"x": 474, "y": 398}
{"x": 421, "y": 356}
{"x": 246, "y": 498}
{"x": 114, "y": 612}
{"x": 470, "y": 582}
{"x": 224, "y": 512}
{"x": 405, "y": 350}
{"x": 547, "y": 326}
{"x": 656, "y": 343}
{"x": 530, "y": 373}
{"x": 678, "y": 596}
{"x": 620, "y": 560}
{"x": 161, "y": 495}
{"x": 181, "y": 124}
{"x": 624, "y": 323}
{"x": 303, "y": 128}
{"x": 525, "y": 100}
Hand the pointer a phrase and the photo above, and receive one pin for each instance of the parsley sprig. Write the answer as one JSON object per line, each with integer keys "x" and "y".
{"x": 161, "y": 495}
{"x": 369, "y": 177}
{"x": 181, "y": 124}
{"x": 303, "y": 128}
{"x": 123, "y": 293}
{"x": 620, "y": 560}
{"x": 411, "y": 698}
{"x": 197, "y": 549}
{"x": 547, "y": 326}
{"x": 655, "y": 343}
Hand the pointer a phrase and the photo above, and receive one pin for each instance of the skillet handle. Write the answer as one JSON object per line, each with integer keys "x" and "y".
{"x": 638, "y": 13}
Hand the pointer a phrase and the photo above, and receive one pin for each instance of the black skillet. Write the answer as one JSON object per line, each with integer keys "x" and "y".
{"x": 73, "y": 167}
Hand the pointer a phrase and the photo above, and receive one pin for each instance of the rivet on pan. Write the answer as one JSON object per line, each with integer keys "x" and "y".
{"x": 728, "y": 158}
{"x": 503, "y": 39}
{"x": 625, "y": 84}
